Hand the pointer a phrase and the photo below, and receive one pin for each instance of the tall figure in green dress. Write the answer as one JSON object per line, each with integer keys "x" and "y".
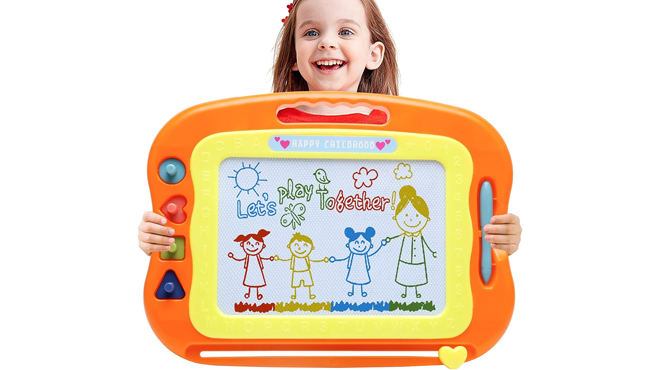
{"x": 412, "y": 215}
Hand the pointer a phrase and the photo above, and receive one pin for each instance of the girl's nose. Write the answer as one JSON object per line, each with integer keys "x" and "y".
{"x": 327, "y": 43}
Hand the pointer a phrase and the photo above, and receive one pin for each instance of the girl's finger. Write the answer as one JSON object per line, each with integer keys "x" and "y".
{"x": 155, "y": 239}
{"x": 152, "y": 228}
{"x": 505, "y": 219}
{"x": 502, "y": 239}
{"x": 148, "y": 247}
{"x": 509, "y": 248}
{"x": 153, "y": 217}
{"x": 503, "y": 229}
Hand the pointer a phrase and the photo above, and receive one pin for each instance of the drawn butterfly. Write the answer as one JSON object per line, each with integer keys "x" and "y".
{"x": 293, "y": 215}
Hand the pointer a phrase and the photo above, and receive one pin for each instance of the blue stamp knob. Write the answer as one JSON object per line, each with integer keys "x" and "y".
{"x": 169, "y": 287}
{"x": 172, "y": 171}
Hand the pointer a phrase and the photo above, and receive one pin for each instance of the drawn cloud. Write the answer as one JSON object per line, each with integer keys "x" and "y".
{"x": 364, "y": 178}
{"x": 403, "y": 171}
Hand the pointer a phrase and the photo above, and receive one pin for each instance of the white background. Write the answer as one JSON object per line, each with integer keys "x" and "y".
{"x": 572, "y": 86}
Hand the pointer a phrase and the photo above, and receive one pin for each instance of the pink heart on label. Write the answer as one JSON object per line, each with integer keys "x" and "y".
{"x": 387, "y": 141}
{"x": 277, "y": 138}
{"x": 284, "y": 143}
{"x": 380, "y": 145}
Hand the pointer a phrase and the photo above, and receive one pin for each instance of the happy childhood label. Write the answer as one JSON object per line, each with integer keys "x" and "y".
{"x": 332, "y": 144}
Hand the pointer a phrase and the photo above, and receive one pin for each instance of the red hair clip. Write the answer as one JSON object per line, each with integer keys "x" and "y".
{"x": 290, "y": 7}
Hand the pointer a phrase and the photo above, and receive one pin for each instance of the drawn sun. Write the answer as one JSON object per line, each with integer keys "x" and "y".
{"x": 247, "y": 178}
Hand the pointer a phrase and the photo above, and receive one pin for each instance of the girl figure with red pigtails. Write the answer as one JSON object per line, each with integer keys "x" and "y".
{"x": 252, "y": 245}
{"x": 333, "y": 45}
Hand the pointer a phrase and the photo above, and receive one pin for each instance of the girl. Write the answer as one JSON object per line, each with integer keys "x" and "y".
{"x": 412, "y": 215}
{"x": 252, "y": 245}
{"x": 340, "y": 45}
{"x": 333, "y": 45}
{"x": 359, "y": 245}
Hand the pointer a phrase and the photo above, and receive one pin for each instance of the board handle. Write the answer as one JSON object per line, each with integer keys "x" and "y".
{"x": 332, "y": 112}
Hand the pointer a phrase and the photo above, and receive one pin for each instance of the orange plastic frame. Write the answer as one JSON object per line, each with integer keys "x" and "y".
{"x": 492, "y": 303}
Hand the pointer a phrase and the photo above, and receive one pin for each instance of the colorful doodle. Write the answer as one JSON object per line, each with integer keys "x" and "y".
{"x": 305, "y": 307}
{"x": 257, "y": 209}
{"x": 341, "y": 306}
{"x": 299, "y": 191}
{"x": 288, "y": 195}
{"x": 364, "y": 178}
{"x": 244, "y": 307}
{"x": 403, "y": 171}
{"x": 359, "y": 245}
{"x": 321, "y": 177}
{"x": 293, "y": 215}
{"x": 359, "y": 202}
{"x": 253, "y": 245}
{"x": 246, "y": 179}
{"x": 300, "y": 247}
{"x": 412, "y": 306}
{"x": 412, "y": 215}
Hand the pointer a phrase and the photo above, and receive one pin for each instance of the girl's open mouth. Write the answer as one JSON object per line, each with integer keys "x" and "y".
{"x": 329, "y": 65}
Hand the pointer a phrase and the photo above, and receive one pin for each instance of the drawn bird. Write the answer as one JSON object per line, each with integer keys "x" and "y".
{"x": 321, "y": 177}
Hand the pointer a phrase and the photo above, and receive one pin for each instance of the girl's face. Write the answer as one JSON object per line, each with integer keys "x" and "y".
{"x": 333, "y": 44}
{"x": 252, "y": 247}
{"x": 410, "y": 220}
{"x": 360, "y": 245}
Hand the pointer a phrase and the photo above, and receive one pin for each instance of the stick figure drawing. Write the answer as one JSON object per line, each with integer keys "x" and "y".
{"x": 300, "y": 247}
{"x": 252, "y": 245}
{"x": 412, "y": 215}
{"x": 359, "y": 245}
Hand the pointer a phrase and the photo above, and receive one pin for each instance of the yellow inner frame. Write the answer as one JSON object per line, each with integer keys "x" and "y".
{"x": 205, "y": 314}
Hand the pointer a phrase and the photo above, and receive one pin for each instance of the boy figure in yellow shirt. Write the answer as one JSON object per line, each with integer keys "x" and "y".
{"x": 300, "y": 247}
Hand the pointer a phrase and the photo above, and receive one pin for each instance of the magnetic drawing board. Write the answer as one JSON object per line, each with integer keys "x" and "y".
{"x": 345, "y": 237}
{"x": 323, "y": 200}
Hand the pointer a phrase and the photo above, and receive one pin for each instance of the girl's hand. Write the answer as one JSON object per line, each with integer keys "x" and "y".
{"x": 153, "y": 236}
{"x": 276, "y": 258}
{"x": 332, "y": 259}
{"x": 504, "y": 232}
{"x": 231, "y": 255}
{"x": 272, "y": 258}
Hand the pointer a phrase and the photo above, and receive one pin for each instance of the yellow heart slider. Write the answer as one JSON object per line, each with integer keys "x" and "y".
{"x": 453, "y": 358}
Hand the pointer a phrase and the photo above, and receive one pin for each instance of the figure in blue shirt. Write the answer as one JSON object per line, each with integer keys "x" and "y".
{"x": 359, "y": 245}
{"x": 412, "y": 215}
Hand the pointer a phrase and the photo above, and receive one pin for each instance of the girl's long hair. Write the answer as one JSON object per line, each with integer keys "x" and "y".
{"x": 383, "y": 80}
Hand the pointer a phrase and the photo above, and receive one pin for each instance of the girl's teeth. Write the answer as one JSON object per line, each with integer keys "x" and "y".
{"x": 329, "y": 63}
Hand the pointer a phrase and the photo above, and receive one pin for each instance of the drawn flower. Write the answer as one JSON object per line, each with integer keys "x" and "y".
{"x": 364, "y": 178}
{"x": 403, "y": 171}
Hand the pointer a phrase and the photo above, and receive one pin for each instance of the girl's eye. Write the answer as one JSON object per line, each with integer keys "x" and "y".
{"x": 416, "y": 215}
{"x": 345, "y": 32}
{"x": 311, "y": 33}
